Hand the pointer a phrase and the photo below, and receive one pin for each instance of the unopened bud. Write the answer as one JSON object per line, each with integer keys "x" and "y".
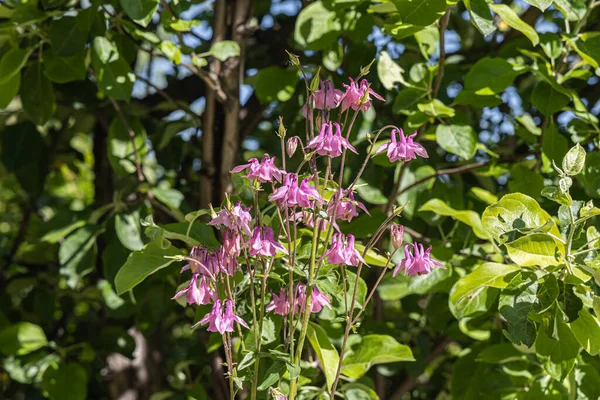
{"x": 316, "y": 80}
{"x": 292, "y": 145}
{"x": 281, "y": 132}
{"x": 213, "y": 214}
{"x": 293, "y": 58}
{"x": 397, "y": 235}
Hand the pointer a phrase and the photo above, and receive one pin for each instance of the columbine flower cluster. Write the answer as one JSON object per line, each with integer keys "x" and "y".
{"x": 254, "y": 247}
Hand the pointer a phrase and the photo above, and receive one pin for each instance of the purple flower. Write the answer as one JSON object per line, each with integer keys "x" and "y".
{"x": 263, "y": 242}
{"x": 326, "y": 143}
{"x": 308, "y": 218}
{"x": 291, "y": 195}
{"x": 318, "y": 299}
{"x": 397, "y": 235}
{"x": 197, "y": 292}
{"x": 344, "y": 208}
{"x": 354, "y": 96}
{"x": 264, "y": 171}
{"x": 327, "y": 97}
{"x": 232, "y": 242}
{"x": 220, "y": 320}
{"x": 280, "y": 305}
{"x": 237, "y": 218}
{"x": 225, "y": 262}
{"x": 342, "y": 251}
{"x": 418, "y": 262}
{"x": 404, "y": 150}
{"x": 291, "y": 145}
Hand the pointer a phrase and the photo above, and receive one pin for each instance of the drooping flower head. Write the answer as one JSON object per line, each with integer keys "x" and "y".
{"x": 326, "y": 97}
{"x": 221, "y": 318}
{"x": 232, "y": 242}
{"x": 317, "y": 302}
{"x": 279, "y": 304}
{"x": 404, "y": 149}
{"x": 418, "y": 262}
{"x": 198, "y": 291}
{"x": 344, "y": 208}
{"x": 263, "y": 242}
{"x": 308, "y": 218}
{"x": 264, "y": 171}
{"x": 328, "y": 143}
{"x": 397, "y": 235}
{"x": 353, "y": 98}
{"x": 290, "y": 194}
{"x": 236, "y": 218}
{"x": 342, "y": 251}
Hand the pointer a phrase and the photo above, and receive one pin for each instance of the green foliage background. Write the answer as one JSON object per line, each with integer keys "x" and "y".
{"x": 120, "y": 119}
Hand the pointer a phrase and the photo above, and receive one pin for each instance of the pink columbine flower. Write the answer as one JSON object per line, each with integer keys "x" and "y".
{"x": 326, "y": 143}
{"x": 354, "y": 95}
{"x": 280, "y": 305}
{"x": 403, "y": 150}
{"x": 397, "y": 235}
{"x": 198, "y": 291}
{"x": 225, "y": 262}
{"x": 200, "y": 262}
{"x": 264, "y": 171}
{"x": 342, "y": 251}
{"x": 221, "y": 318}
{"x": 232, "y": 242}
{"x": 418, "y": 262}
{"x": 308, "y": 218}
{"x": 237, "y": 218}
{"x": 318, "y": 299}
{"x": 263, "y": 242}
{"x": 325, "y": 98}
{"x": 291, "y": 195}
{"x": 344, "y": 208}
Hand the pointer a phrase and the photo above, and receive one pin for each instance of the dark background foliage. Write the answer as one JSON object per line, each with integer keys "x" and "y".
{"x": 119, "y": 115}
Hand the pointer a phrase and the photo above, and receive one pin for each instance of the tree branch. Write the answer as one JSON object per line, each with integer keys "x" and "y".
{"x": 449, "y": 171}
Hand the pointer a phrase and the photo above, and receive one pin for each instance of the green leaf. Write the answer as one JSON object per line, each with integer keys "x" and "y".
{"x": 110, "y": 297}
{"x": 114, "y": 75}
{"x": 499, "y": 354}
{"x": 273, "y": 375}
{"x": 316, "y": 27}
{"x": 457, "y": 139}
{"x": 526, "y": 181}
{"x": 388, "y": 71}
{"x": 25, "y": 154}
{"x": 493, "y": 74}
{"x": 586, "y": 329}
{"x": 420, "y": 12}
{"x": 65, "y": 382}
{"x": 574, "y": 160}
{"x": 9, "y": 89}
{"x": 225, "y": 49}
{"x": 66, "y": 37}
{"x": 65, "y": 69}
{"x": 275, "y": 84}
{"x": 541, "y": 4}
{"x": 468, "y": 217}
{"x": 487, "y": 275}
{"x": 481, "y": 17}
{"x": 370, "y": 193}
{"x": 76, "y": 254}
{"x": 169, "y": 196}
{"x": 513, "y": 20}
{"x": 407, "y": 99}
{"x": 22, "y": 338}
{"x": 526, "y": 294}
{"x": 515, "y": 211}
{"x": 435, "y": 108}
{"x": 140, "y": 11}
{"x": 129, "y": 232}
{"x": 565, "y": 347}
{"x": 142, "y": 263}
{"x": 589, "y": 44}
{"x": 12, "y": 62}
{"x": 374, "y": 350}
{"x": 401, "y": 286}
{"x": 121, "y": 151}
{"x": 171, "y": 51}
{"x": 326, "y": 352}
{"x": 536, "y": 249}
{"x": 573, "y": 10}
{"x": 591, "y": 175}
{"x": 246, "y": 361}
{"x": 554, "y": 144}
{"x": 547, "y": 100}
{"x": 37, "y": 95}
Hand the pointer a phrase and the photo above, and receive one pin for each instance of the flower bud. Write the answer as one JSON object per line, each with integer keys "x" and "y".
{"x": 397, "y": 235}
{"x": 292, "y": 145}
{"x": 282, "y": 131}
